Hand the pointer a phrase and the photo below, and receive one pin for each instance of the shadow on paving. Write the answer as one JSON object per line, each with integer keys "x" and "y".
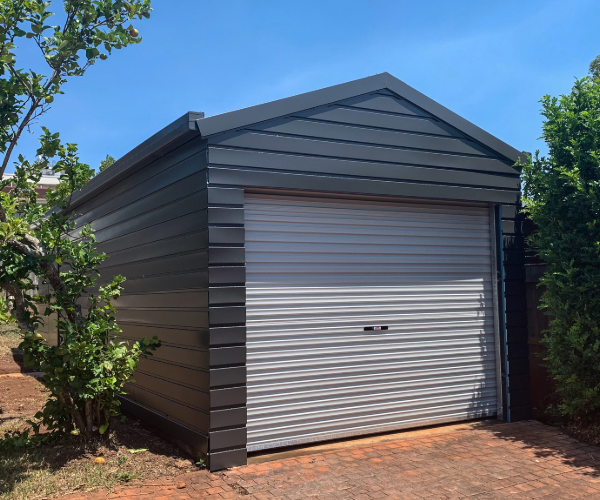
{"x": 547, "y": 441}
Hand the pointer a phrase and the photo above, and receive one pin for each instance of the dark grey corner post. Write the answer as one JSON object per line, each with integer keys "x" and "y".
{"x": 515, "y": 350}
{"x": 227, "y": 322}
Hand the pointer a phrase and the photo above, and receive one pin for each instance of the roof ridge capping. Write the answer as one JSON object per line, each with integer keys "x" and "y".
{"x": 274, "y": 109}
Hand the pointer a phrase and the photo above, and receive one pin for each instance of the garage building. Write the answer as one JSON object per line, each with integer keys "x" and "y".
{"x": 342, "y": 262}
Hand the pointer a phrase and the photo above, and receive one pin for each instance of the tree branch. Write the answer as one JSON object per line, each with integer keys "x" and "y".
{"x": 24, "y": 123}
{"x": 32, "y": 248}
{"x": 17, "y": 135}
{"x": 23, "y": 248}
{"x": 18, "y": 77}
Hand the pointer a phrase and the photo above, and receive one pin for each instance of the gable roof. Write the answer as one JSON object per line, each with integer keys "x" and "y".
{"x": 275, "y": 109}
{"x": 194, "y": 124}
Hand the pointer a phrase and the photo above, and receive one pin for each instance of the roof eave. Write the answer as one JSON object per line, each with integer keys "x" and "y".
{"x": 181, "y": 130}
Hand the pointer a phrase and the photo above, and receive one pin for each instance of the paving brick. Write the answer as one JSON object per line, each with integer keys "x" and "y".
{"x": 488, "y": 461}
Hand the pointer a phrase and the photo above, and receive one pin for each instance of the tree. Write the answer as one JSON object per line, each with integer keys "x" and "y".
{"x": 595, "y": 67}
{"x": 562, "y": 198}
{"x": 107, "y": 162}
{"x": 87, "y": 371}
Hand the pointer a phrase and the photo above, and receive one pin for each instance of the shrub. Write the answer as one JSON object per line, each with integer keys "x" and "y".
{"x": 562, "y": 198}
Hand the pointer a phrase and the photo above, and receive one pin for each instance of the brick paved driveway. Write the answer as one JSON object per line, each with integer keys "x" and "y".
{"x": 483, "y": 461}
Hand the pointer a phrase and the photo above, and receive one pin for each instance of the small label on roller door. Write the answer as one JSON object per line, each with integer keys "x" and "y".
{"x": 375, "y": 328}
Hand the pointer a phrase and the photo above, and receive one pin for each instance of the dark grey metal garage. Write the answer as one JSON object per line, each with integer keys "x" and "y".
{"x": 171, "y": 216}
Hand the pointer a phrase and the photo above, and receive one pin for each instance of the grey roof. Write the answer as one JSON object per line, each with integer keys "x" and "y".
{"x": 195, "y": 124}
{"x": 274, "y": 109}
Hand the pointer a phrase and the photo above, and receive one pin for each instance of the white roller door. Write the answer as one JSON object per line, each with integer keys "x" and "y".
{"x": 320, "y": 271}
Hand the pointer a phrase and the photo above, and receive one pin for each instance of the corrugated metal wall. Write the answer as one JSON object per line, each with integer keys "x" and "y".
{"x": 319, "y": 271}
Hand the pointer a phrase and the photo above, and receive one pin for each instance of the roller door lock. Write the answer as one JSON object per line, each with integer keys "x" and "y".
{"x": 375, "y": 328}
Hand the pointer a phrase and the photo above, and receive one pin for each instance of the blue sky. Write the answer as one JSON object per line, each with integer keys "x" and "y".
{"x": 487, "y": 61}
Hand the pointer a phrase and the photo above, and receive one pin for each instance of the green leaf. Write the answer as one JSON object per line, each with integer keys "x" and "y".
{"x": 103, "y": 428}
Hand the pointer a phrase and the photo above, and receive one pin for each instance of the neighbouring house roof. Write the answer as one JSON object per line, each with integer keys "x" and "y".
{"x": 46, "y": 182}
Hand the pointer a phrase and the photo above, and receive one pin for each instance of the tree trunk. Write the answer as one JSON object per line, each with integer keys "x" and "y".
{"x": 89, "y": 415}
{"x": 19, "y": 307}
{"x": 65, "y": 397}
{"x": 98, "y": 415}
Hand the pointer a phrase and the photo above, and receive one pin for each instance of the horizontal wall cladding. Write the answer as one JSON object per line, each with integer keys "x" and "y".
{"x": 179, "y": 164}
{"x": 182, "y": 224}
{"x": 260, "y": 178}
{"x": 175, "y": 372}
{"x": 196, "y": 338}
{"x": 175, "y": 410}
{"x": 153, "y": 269}
{"x": 177, "y": 392}
{"x": 164, "y": 248}
{"x": 517, "y": 349}
{"x": 319, "y": 165}
{"x": 377, "y": 137}
{"x": 359, "y": 134}
{"x": 170, "y": 213}
{"x": 165, "y": 317}
{"x": 153, "y": 225}
{"x": 190, "y": 437}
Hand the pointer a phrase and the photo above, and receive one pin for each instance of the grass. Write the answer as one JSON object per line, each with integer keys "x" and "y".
{"x": 41, "y": 473}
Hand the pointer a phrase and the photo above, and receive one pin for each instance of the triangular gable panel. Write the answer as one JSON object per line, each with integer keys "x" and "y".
{"x": 403, "y": 100}
{"x": 348, "y": 112}
{"x": 375, "y": 127}
{"x": 383, "y": 102}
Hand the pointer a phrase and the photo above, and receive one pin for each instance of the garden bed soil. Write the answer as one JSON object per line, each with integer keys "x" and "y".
{"x": 11, "y": 358}
{"x": 21, "y": 397}
{"x": 589, "y": 434}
